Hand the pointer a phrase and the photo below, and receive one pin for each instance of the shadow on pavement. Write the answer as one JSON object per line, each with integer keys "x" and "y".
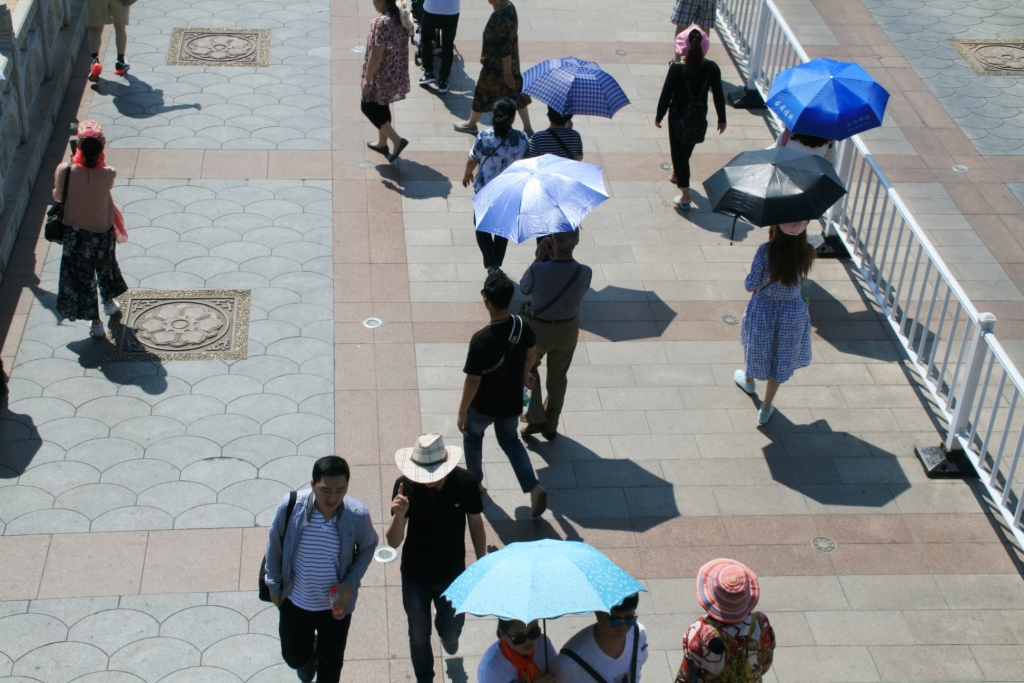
{"x": 19, "y": 440}
{"x": 147, "y": 374}
{"x": 596, "y": 500}
{"x": 137, "y": 99}
{"x": 831, "y": 468}
{"x": 414, "y": 180}
{"x": 624, "y": 314}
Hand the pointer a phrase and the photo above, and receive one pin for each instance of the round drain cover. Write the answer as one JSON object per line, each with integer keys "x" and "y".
{"x": 666, "y": 167}
{"x": 730, "y": 320}
{"x": 961, "y": 169}
{"x": 621, "y": 52}
{"x": 823, "y": 544}
{"x": 373, "y": 323}
{"x": 365, "y": 164}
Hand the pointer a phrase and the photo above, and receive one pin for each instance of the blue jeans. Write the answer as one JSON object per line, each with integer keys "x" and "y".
{"x": 506, "y": 429}
{"x": 417, "y": 598}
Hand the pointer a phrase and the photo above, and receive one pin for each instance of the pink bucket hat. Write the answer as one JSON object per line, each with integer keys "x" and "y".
{"x": 683, "y": 40}
{"x": 89, "y": 129}
{"x": 727, "y": 590}
{"x": 793, "y": 229}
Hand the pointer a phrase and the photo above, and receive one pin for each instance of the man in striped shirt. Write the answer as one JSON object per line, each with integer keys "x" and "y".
{"x": 324, "y": 543}
{"x": 559, "y": 139}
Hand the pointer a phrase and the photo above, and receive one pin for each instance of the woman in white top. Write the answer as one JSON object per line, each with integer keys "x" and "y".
{"x": 808, "y": 144}
{"x": 514, "y": 658}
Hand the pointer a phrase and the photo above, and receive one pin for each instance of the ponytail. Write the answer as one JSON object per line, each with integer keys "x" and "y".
{"x": 503, "y": 117}
{"x": 92, "y": 149}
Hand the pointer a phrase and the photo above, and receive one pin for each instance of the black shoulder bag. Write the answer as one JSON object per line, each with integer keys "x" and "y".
{"x": 264, "y": 589}
{"x": 54, "y": 229}
{"x": 528, "y": 313}
{"x": 691, "y": 125}
{"x": 598, "y": 677}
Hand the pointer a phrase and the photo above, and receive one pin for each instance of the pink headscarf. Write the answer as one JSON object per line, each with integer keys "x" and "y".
{"x": 683, "y": 40}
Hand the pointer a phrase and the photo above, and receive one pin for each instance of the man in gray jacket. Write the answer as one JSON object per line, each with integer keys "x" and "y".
{"x": 316, "y": 558}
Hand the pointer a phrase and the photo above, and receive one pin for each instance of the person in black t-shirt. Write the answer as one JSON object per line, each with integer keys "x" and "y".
{"x": 435, "y": 500}
{"x": 497, "y": 368}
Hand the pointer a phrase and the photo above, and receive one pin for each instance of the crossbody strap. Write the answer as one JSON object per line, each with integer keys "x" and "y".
{"x": 636, "y": 647}
{"x": 513, "y": 339}
{"x": 586, "y": 667}
{"x": 497, "y": 147}
{"x": 67, "y": 184}
{"x": 575, "y": 276}
{"x": 765, "y": 286}
{"x": 287, "y": 517}
{"x": 565, "y": 147}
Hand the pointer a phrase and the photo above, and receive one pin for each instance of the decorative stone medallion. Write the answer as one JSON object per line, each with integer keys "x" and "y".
{"x": 992, "y": 57}
{"x": 188, "y": 325}
{"x": 248, "y": 47}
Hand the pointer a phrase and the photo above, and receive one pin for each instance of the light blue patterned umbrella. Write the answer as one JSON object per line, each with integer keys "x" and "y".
{"x": 541, "y": 580}
{"x": 538, "y": 196}
{"x": 575, "y": 86}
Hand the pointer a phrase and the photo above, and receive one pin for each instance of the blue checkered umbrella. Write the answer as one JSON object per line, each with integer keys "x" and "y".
{"x": 575, "y": 86}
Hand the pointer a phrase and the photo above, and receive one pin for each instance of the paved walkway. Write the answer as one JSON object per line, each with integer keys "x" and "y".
{"x": 133, "y": 495}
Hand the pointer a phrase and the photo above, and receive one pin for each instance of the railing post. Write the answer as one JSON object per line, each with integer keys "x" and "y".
{"x": 844, "y": 166}
{"x": 969, "y": 385}
{"x": 751, "y": 97}
{"x": 8, "y": 36}
{"x": 43, "y": 26}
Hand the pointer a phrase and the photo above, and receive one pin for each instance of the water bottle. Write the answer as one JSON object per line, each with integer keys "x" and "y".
{"x": 526, "y": 399}
{"x": 337, "y": 608}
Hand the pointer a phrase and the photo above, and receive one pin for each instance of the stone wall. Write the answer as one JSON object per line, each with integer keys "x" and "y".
{"x": 47, "y": 35}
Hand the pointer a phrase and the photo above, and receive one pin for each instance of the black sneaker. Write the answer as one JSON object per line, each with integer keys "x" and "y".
{"x": 121, "y": 68}
{"x": 442, "y": 87}
{"x": 428, "y": 78}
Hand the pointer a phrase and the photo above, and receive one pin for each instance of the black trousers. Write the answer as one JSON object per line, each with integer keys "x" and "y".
{"x": 379, "y": 114}
{"x": 447, "y": 24}
{"x": 297, "y": 628}
{"x": 681, "y": 154}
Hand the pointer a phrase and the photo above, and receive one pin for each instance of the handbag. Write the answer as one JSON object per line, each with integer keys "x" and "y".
{"x": 691, "y": 126}
{"x": 526, "y": 309}
{"x": 54, "y": 228}
{"x": 264, "y": 589}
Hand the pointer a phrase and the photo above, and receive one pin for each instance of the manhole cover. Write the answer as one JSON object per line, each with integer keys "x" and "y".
{"x": 730, "y": 320}
{"x": 621, "y": 52}
{"x": 365, "y": 164}
{"x": 961, "y": 169}
{"x": 373, "y": 323}
{"x": 666, "y": 167}
{"x": 184, "y": 325}
{"x": 248, "y": 47}
{"x": 992, "y": 57}
{"x": 823, "y": 544}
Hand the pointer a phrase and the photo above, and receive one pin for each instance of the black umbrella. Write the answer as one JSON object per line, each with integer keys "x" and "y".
{"x": 772, "y": 186}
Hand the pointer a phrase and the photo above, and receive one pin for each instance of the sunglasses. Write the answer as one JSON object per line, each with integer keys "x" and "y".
{"x": 520, "y": 638}
{"x": 616, "y": 622}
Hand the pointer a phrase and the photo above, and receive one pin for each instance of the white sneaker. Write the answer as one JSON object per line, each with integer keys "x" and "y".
{"x": 111, "y": 308}
{"x": 98, "y": 331}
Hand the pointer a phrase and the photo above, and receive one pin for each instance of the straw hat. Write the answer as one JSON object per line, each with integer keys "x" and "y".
{"x": 727, "y": 590}
{"x": 429, "y": 460}
{"x": 683, "y": 40}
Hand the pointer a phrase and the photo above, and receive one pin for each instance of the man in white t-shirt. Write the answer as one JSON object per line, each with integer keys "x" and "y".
{"x": 521, "y": 653}
{"x": 439, "y": 16}
{"x": 615, "y": 648}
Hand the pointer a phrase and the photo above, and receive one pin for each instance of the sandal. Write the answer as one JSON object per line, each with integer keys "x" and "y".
{"x": 465, "y": 129}
{"x": 402, "y": 144}
{"x": 383, "y": 149}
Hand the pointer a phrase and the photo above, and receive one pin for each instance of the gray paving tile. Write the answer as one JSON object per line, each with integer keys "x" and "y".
{"x": 93, "y": 500}
{"x": 22, "y": 633}
{"x": 894, "y": 592}
{"x": 137, "y": 518}
{"x": 202, "y": 626}
{"x": 833, "y": 663}
{"x": 60, "y": 662}
{"x": 154, "y": 658}
{"x": 247, "y": 654}
{"x": 111, "y": 630}
{"x": 214, "y": 516}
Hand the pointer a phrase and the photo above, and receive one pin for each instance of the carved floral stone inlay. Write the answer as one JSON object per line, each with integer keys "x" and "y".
{"x": 193, "y": 325}
{"x": 992, "y": 57}
{"x": 219, "y": 47}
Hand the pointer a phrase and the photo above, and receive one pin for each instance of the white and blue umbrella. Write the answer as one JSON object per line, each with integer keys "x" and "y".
{"x": 541, "y": 580}
{"x": 575, "y": 86}
{"x": 538, "y": 196}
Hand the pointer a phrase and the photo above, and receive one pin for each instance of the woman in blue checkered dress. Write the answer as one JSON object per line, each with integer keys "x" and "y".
{"x": 776, "y": 331}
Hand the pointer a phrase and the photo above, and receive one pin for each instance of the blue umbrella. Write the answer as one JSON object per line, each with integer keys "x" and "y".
{"x": 537, "y": 197}
{"x": 575, "y": 86}
{"x": 829, "y": 99}
{"x": 541, "y": 580}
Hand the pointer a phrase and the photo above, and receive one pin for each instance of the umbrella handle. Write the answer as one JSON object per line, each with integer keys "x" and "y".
{"x": 732, "y": 235}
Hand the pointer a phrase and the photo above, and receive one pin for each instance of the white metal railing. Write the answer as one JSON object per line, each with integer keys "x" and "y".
{"x": 974, "y": 384}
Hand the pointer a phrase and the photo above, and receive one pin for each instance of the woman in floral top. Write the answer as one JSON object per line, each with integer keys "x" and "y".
{"x": 386, "y": 74}
{"x": 499, "y": 71}
{"x": 731, "y": 643}
{"x": 493, "y": 152}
